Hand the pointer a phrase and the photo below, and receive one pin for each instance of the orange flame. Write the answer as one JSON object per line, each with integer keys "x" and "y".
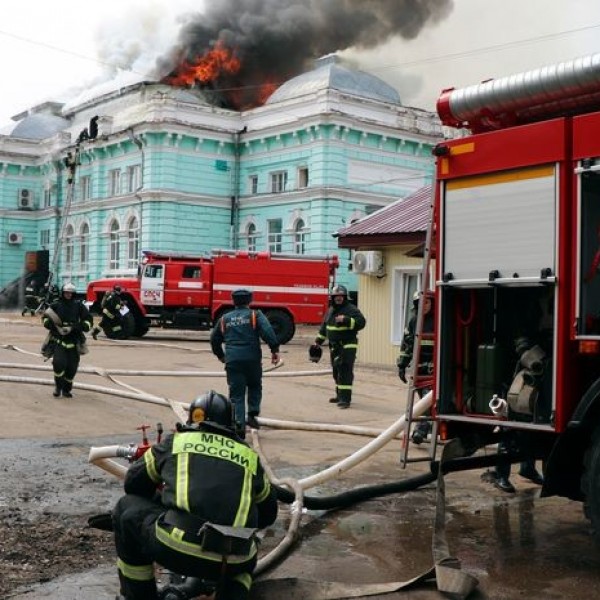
{"x": 213, "y": 64}
{"x": 266, "y": 89}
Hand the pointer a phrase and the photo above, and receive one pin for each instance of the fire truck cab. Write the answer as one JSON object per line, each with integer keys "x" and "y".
{"x": 517, "y": 209}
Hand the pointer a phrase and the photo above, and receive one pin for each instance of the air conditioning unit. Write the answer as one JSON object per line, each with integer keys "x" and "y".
{"x": 15, "y": 238}
{"x": 369, "y": 262}
{"x": 25, "y": 199}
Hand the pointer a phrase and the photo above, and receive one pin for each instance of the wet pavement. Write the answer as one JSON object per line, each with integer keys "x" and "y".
{"x": 518, "y": 546}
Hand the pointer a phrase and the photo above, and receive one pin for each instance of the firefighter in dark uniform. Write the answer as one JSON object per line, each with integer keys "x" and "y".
{"x": 32, "y": 300}
{"x": 241, "y": 331}
{"x": 340, "y": 326}
{"x": 111, "y": 320}
{"x": 67, "y": 320}
{"x": 204, "y": 474}
{"x": 425, "y": 367}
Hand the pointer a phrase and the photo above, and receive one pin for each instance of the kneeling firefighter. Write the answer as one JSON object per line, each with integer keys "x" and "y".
{"x": 111, "y": 322}
{"x": 193, "y": 503}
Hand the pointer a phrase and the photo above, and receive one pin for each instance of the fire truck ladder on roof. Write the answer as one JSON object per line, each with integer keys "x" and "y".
{"x": 419, "y": 384}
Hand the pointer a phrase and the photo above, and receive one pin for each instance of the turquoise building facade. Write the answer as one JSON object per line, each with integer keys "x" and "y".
{"x": 170, "y": 170}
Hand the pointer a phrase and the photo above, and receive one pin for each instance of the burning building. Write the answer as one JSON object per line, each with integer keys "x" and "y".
{"x": 184, "y": 165}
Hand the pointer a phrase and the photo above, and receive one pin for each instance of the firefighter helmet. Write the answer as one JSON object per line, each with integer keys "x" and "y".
{"x": 211, "y": 406}
{"x": 339, "y": 290}
{"x": 69, "y": 287}
{"x": 315, "y": 352}
{"x": 241, "y": 297}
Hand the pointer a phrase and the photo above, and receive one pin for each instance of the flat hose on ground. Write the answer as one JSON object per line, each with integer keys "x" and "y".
{"x": 360, "y": 494}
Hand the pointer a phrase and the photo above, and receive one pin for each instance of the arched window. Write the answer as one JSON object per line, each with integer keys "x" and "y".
{"x": 115, "y": 245}
{"x": 84, "y": 248}
{"x": 133, "y": 243}
{"x": 299, "y": 237}
{"x": 251, "y": 237}
{"x": 69, "y": 247}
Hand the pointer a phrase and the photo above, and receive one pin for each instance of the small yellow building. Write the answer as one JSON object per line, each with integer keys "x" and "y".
{"x": 387, "y": 254}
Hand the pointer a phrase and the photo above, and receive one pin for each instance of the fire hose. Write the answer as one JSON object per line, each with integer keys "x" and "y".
{"x": 102, "y": 457}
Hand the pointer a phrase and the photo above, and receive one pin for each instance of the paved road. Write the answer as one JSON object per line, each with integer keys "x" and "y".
{"x": 518, "y": 546}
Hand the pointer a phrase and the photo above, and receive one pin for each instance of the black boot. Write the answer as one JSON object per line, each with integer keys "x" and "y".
{"x": 138, "y": 590}
{"x": 528, "y": 471}
{"x": 56, "y": 392}
{"x": 251, "y": 420}
{"x": 95, "y": 333}
{"x": 504, "y": 485}
{"x": 420, "y": 433}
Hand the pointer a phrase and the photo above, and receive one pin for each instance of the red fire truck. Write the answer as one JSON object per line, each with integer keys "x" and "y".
{"x": 191, "y": 292}
{"x": 517, "y": 242}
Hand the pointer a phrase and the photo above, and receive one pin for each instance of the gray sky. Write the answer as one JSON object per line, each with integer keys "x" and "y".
{"x": 481, "y": 40}
{"x": 52, "y": 50}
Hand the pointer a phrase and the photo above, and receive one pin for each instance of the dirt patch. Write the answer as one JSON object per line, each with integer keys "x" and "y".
{"x": 48, "y": 494}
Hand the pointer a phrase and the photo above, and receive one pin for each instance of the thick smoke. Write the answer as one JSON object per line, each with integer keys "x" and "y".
{"x": 278, "y": 39}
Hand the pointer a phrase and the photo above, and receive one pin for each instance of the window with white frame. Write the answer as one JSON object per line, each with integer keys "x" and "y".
{"x": 133, "y": 178}
{"x": 133, "y": 243}
{"x": 251, "y": 237}
{"x": 69, "y": 247}
{"x": 84, "y": 247}
{"x": 405, "y": 283}
{"x": 114, "y": 245}
{"x": 45, "y": 238}
{"x": 274, "y": 228}
{"x": 253, "y": 184}
{"x": 278, "y": 181}
{"x": 114, "y": 182}
{"x": 47, "y": 197}
{"x": 299, "y": 237}
{"x": 85, "y": 187}
{"x": 302, "y": 177}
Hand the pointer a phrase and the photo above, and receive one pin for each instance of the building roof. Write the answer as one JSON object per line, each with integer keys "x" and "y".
{"x": 35, "y": 127}
{"x": 329, "y": 74}
{"x": 404, "y": 221}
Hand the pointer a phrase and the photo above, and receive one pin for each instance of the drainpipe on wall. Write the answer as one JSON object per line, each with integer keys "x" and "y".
{"x": 137, "y": 140}
{"x": 235, "y": 198}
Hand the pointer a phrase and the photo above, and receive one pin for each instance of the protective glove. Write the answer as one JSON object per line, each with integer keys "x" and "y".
{"x": 65, "y": 330}
{"x": 402, "y": 374}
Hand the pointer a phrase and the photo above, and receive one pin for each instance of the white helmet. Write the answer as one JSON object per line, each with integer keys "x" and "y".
{"x": 69, "y": 287}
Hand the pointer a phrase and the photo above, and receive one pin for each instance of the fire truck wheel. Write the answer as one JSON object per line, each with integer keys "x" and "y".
{"x": 128, "y": 326}
{"x": 283, "y": 324}
{"x": 590, "y": 484}
{"x": 140, "y": 327}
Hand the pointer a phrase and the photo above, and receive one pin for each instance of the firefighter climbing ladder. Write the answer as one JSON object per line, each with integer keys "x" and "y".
{"x": 417, "y": 382}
